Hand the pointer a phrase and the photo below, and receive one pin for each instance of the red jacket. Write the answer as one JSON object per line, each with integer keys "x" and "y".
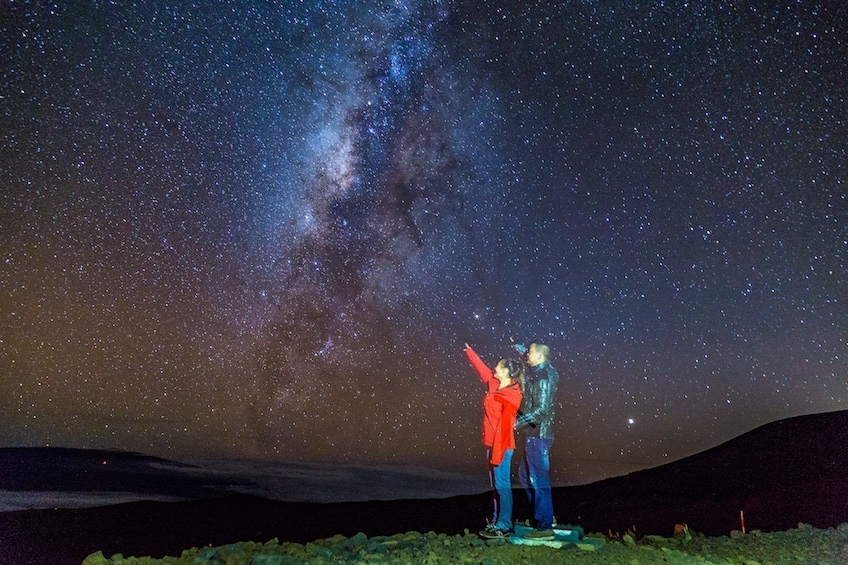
{"x": 500, "y": 408}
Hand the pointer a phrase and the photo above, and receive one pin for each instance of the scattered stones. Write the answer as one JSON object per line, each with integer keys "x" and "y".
{"x": 804, "y": 545}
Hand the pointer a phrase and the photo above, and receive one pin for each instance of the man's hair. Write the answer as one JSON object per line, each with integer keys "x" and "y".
{"x": 543, "y": 349}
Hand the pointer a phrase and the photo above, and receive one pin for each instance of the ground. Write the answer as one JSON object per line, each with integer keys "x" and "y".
{"x": 803, "y": 545}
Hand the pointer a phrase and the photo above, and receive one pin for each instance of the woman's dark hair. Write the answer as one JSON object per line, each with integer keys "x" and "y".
{"x": 515, "y": 368}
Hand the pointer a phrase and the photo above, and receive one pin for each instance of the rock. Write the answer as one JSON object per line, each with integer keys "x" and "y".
{"x": 267, "y": 560}
{"x": 292, "y": 549}
{"x": 356, "y": 541}
{"x": 319, "y": 550}
{"x": 232, "y": 555}
{"x": 376, "y": 548}
{"x": 389, "y": 542}
{"x": 202, "y": 558}
{"x": 96, "y": 558}
{"x": 586, "y": 546}
{"x": 495, "y": 542}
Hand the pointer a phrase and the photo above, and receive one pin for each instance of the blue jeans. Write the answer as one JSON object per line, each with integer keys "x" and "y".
{"x": 501, "y": 480}
{"x": 533, "y": 474}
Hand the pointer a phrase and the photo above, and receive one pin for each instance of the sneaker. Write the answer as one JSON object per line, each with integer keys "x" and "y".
{"x": 546, "y": 534}
{"x": 494, "y": 533}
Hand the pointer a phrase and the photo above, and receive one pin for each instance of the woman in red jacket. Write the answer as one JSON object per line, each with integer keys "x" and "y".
{"x": 500, "y": 407}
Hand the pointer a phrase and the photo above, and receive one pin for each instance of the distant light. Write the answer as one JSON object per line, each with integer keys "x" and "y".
{"x": 630, "y": 421}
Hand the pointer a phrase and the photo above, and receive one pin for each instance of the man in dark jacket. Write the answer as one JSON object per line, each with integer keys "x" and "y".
{"x": 535, "y": 422}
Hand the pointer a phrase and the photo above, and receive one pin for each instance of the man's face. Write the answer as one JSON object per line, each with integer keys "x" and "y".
{"x": 534, "y": 356}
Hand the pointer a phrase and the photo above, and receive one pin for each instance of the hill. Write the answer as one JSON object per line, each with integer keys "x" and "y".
{"x": 785, "y": 472}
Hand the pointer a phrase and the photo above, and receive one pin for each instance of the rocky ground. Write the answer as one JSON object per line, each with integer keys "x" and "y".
{"x": 803, "y": 545}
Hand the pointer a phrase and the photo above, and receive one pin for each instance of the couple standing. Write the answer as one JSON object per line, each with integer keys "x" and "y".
{"x": 519, "y": 399}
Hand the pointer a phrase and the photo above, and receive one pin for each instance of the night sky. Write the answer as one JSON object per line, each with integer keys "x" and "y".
{"x": 265, "y": 229}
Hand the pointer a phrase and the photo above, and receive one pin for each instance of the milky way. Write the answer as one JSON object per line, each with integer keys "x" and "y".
{"x": 249, "y": 230}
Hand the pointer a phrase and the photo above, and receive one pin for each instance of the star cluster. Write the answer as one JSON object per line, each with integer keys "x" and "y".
{"x": 264, "y": 230}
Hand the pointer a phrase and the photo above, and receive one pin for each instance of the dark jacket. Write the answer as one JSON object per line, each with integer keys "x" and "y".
{"x": 537, "y": 406}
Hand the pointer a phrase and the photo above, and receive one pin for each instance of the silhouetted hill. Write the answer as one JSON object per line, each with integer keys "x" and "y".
{"x": 783, "y": 473}
{"x": 788, "y": 471}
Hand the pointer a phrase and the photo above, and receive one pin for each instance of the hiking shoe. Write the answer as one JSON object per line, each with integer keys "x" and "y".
{"x": 494, "y": 533}
{"x": 546, "y": 534}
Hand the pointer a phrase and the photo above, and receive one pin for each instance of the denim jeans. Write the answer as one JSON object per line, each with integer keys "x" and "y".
{"x": 533, "y": 474}
{"x": 501, "y": 480}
